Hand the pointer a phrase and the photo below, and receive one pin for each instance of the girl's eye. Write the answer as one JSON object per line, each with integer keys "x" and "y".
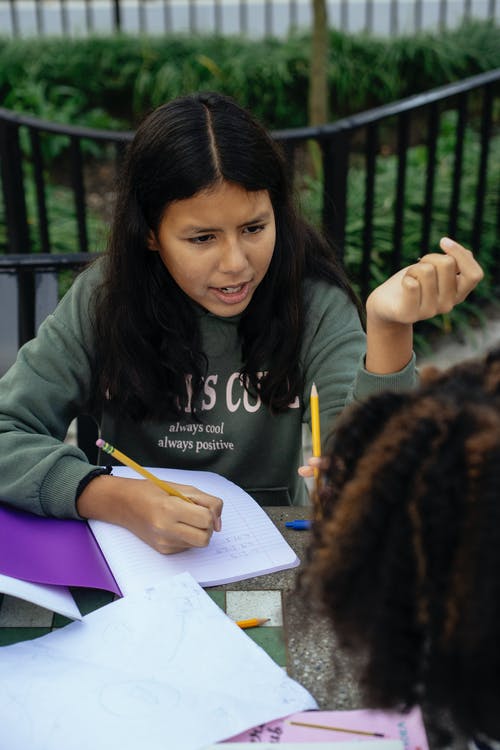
{"x": 254, "y": 228}
{"x": 201, "y": 239}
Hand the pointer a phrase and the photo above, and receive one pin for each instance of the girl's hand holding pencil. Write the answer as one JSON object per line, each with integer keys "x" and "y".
{"x": 168, "y": 517}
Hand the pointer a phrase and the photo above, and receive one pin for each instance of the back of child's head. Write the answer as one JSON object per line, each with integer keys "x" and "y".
{"x": 405, "y": 558}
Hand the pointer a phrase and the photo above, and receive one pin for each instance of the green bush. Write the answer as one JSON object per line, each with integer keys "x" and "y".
{"x": 130, "y": 75}
{"x": 49, "y": 77}
{"x": 383, "y": 218}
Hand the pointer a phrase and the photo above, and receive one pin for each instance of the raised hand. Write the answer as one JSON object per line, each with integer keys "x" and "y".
{"x": 433, "y": 285}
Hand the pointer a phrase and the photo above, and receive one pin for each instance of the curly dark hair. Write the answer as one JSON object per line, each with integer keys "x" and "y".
{"x": 405, "y": 554}
{"x": 147, "y": 336}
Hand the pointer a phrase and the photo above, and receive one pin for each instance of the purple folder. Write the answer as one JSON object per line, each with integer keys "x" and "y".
{"x": 56, "y": 551}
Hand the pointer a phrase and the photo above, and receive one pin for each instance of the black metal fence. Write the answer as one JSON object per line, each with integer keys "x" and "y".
{"x": 385, "y": 184}
{"x": 249, "y": 17}
{"x": 381, "y": 182}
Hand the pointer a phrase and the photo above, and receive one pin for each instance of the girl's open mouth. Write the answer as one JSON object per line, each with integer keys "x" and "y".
{"x": 231, "y": 295}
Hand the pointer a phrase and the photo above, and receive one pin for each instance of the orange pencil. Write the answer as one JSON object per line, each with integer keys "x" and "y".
{"x": 252, "y": 622}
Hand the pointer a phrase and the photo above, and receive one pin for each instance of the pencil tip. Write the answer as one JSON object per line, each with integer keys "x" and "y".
{"x": 314, "y": 390}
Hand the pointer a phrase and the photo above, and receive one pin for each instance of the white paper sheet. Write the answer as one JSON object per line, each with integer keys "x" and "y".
{"x": 162, "y": 669}
{"x": 354, "y": 745}
{"x": 248, "y": 545}
{"x": 55, "y": 598}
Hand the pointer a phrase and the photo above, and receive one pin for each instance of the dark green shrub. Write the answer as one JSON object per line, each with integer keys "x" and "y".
{"x": 129, "y": 75}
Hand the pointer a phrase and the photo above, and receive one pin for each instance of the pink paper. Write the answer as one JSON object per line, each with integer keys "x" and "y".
{"x": 55, "y": 551}
{"x": 408, "y": 728}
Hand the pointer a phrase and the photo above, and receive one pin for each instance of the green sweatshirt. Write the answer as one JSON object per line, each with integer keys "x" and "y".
{"x": 236, "y": 435}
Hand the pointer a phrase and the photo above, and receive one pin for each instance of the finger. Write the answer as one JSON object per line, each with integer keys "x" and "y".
{"x": 190, "y": 526}
{"x": 189, "y": 514}
{"x": 446, "y": 275}
{"x": 191, "y": 536}
{"x": 427, "y": 276}
{"x": 214, "y": 505}
{"x": 317, "y": 462}
{"x": 165, "y": 540}
{"x": 470, "y": 272}
{"x": 211, "y": 502}
{"x": 171, "y": 548}
{"x": 313, "y": 462}
{"x": 412, "y": 293}
{"x": 411, "y": 283}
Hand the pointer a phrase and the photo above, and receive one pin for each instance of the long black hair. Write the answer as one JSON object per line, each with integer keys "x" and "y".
{"x": 147, "y": 334}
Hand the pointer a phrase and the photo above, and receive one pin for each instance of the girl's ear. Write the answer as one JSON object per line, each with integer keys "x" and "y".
{"x": 152, "y": 242}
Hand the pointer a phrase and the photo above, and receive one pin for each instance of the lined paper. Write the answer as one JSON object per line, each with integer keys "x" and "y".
{"x": 249, "y": 544}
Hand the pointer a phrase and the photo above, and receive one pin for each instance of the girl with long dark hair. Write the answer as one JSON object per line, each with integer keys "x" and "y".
{"x": 195, "y": 340}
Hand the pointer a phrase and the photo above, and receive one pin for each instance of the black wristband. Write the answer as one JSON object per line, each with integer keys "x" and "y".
{"x": 90, "y": 476}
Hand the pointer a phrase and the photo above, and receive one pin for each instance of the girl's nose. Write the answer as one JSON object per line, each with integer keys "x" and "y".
{"x": 233, "y": 259}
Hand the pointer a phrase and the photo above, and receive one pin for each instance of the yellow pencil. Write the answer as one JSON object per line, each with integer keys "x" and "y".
{"x": 315, "y": 428}
{"x": 337, "y": 729}
{"x": 108, "y": 448}
{"x": 252, "y": 622}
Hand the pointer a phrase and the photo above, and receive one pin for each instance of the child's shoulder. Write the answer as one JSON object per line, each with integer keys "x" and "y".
{"x": 79, "y": 298}
{"x": 91, "y": 276}
{"x": 325, "y": 297}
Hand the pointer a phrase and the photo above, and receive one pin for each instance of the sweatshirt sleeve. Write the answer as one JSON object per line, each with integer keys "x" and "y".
{"x": 334, "y": 355}
{"x": 43, "y": 391}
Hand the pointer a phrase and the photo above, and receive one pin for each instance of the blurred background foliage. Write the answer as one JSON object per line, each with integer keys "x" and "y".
{"x": 113, "y": 81}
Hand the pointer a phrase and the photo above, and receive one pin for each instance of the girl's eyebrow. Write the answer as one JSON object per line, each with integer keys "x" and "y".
{"x": 264, "y": 216}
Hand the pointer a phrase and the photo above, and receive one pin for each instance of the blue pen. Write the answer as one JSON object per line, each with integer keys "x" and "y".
{"x": 299, "y": 523}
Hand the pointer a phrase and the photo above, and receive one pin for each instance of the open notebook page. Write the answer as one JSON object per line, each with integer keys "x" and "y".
{"x": 249, "y": 544}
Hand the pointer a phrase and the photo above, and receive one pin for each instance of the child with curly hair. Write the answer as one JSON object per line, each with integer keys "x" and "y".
{"x": 406, "y": 557}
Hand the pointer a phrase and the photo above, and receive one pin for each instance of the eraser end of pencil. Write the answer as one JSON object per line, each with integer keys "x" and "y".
{"x": 99, "y": 443}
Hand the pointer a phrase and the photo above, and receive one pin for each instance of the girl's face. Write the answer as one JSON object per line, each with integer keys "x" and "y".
{"x": 217, "y": 245}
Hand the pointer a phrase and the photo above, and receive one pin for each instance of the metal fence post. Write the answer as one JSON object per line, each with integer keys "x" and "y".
{"x": 117, "y": 15}
{"x": 18, "y": 237}
{"x": 335, "y": 169}
{"x": 9, "y": 342}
